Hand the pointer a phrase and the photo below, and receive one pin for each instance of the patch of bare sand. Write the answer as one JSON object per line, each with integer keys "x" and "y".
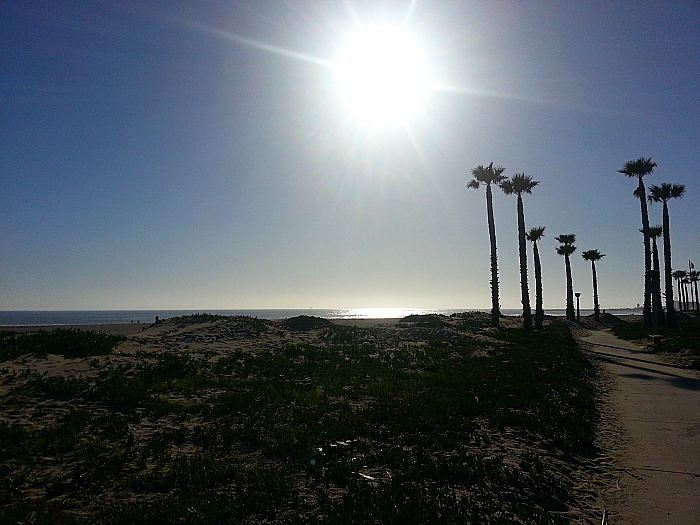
{"x": 650, "y": 432}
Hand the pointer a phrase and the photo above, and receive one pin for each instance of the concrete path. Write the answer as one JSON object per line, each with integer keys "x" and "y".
{"x": 657, "y": 405}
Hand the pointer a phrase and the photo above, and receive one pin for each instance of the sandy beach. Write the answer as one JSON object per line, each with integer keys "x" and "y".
{"x": 633, "y": 476}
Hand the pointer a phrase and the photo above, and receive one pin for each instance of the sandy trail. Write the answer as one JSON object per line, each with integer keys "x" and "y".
{"x": 657, "y": 405}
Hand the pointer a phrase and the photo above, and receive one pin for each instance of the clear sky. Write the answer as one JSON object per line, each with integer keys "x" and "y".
{"x": 174, "y": 154}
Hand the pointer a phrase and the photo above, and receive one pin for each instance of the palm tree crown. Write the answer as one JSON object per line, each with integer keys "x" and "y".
{"x": 655, "y": 232}
{"x": 536, "y": 233}
{"x": 486, "y": 175}
{"x": 566, "y": 249}
{"x": 592, "y": 255}
{"x": 566, "y": 239}
{"x": 665, "y": 192}
{"x": 518, "y": 184}
{"x": 638, "y": 168}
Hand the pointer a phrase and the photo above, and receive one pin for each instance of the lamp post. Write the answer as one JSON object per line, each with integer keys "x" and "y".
{"x": 578, "y": 306}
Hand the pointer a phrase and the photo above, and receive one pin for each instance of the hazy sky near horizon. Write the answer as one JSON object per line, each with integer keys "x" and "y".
{"x": 166, "y": 154}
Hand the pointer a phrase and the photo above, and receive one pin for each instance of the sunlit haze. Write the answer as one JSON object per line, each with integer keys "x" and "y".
{"x": 241, "y": 155}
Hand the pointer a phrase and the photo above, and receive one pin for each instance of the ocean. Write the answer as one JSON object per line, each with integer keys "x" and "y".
{"x": 96, "y": 317}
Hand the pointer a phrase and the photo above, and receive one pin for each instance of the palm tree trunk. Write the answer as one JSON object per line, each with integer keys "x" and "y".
{"x": 682, "y": 293}
{"x": 569, "y": 291}
{"x": 522, "y": 246}
{"x": 670, "y": 310}
{"x": 495, "y": 308}
{"x": 539, "y": 312}
{"x": 648, "y": 284}
{"x": 656, "y": 293}
{"x": 596, "y": 306}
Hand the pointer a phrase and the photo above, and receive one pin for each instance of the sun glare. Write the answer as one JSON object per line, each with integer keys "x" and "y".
{"x": 383, "y": 77}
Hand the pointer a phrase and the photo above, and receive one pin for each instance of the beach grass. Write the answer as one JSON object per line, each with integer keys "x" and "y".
{"x": 437, "y": 421}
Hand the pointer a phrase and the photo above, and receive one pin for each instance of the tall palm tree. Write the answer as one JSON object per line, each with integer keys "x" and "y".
{"x": 593, "y": 256}
{"x": 519, "y": 184}
{"x": 693, "y": 277}
{"x": 566, "y": 249}
{"x": 685, "y": 281}
{"x": 654, "y": 233}
{"x": 679, "y": 275}
{"x": 640, "y": 168}
{"x": 664, "y": 193}
{"x": 534, "y": 235}
{"x": 489, "y": 175}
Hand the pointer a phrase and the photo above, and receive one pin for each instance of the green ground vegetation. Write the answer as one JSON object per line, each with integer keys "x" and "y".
{"x": 449, "y": 422}
{"x": 66, "y": 342}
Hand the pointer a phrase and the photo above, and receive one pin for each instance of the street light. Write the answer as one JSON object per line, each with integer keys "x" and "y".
{"x": 578, "y": 306}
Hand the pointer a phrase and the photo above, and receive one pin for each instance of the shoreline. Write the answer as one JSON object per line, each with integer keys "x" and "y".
{"x": 135, "y": 328}
{"x": 147, "y": 317}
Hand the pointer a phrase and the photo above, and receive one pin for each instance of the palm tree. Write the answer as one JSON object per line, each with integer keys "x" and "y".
{"x": 593, "y": 256}
{"x": 534, "y": 235}
{"x": 693, "y": 277}
{"x": 566, "y": 249}
{"x": 654, "y": 233}
{"x": 685, "y": 281}
{"x": 664, "y": 193}
{"x": 519, "y": 184}
{"x": 489, "y": 175}
{"x": 679, "y": 275}
{"x": 640, "y": 168}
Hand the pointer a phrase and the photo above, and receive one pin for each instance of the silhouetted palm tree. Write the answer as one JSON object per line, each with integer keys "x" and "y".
{"x": 693, "y": 277}
{"x": 489, "y": 175}
{"x": 593, "y": 256}
{"x": 654, "y": 233}
{"x": 640, "y": 168}
{"x": 679, "y": 275}
{"x": 685, "y": 281}
{"x": 566, "y": 249}
{"x": 534, "y": 235}
{"x": 519, "y": 184}
{"x": 664, "y": 193}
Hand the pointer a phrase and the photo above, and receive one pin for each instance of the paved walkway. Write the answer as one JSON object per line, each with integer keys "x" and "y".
{"x": 657, "y": 405}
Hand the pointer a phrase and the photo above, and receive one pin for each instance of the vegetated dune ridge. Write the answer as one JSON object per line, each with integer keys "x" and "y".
{"x": 427, "y": 419}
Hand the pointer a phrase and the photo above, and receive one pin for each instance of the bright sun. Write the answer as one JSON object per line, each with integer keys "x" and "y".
{"x": 383, "y": 77}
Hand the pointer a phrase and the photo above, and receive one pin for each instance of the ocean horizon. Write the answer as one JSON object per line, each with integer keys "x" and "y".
{"x": 97, "y": 317}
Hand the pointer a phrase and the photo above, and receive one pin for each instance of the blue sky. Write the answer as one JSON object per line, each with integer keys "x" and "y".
{"x": 198, "y": 154}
